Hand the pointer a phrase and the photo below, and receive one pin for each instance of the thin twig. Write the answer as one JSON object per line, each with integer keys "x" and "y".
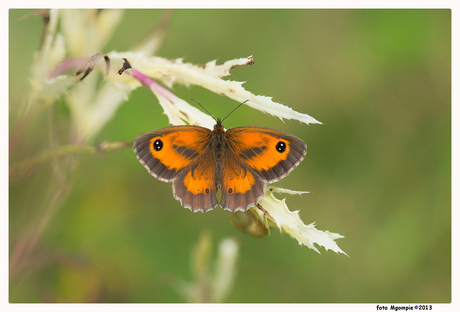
{"x": 48, "y": 154}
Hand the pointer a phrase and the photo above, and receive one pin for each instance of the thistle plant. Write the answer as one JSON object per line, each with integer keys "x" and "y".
{"x": 73, "y": 40}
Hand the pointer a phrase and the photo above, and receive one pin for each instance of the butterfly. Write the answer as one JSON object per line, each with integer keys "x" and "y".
{"x": 199, "y": 162}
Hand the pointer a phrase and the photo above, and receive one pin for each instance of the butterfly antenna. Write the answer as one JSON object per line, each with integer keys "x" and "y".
{"x": 234, "y": 110}
{"x": 203, "y": 108}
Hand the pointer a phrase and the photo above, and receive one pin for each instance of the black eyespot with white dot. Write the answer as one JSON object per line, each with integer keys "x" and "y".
{"x": 158, "y": 145}
{"x": 230, "y": 190}
{"x": 281, "y": 147}
{"x": 207, "y": 191}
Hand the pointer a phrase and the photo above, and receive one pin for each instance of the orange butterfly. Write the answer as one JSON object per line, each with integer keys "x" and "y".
{"x": 239, "y": 162}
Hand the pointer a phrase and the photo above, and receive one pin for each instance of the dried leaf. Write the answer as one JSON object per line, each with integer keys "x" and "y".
{"x": 91, "y": 63}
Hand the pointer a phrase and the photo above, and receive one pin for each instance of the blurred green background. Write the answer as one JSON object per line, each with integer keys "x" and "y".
{"x": 378, "y": 169}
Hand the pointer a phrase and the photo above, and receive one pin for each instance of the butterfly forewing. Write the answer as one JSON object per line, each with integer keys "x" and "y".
{"x": 271, "y": 154}
{"x": 166, "y": 151}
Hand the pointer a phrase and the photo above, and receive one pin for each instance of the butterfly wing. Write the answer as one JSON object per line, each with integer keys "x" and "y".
{"x": 271, "y": 154}
{"x": 195, "y": 187}
{"x": 241, "y": 188}
{"x": 179, "y": 154}
{"x": 167, "y": 151}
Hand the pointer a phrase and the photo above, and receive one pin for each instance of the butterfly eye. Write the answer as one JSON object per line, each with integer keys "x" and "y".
{"x": 281, "y": 147}
{"x": 158, "y": 145}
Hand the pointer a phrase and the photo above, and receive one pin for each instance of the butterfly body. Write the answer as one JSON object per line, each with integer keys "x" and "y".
{"x": 199, "y": 162}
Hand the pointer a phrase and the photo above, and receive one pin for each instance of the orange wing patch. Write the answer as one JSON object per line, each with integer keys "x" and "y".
{"x": 199, "y": 180}
{"x": 166, "y": 151}
{"x": 272, "y": 154}
{"x": 175, "y": 150}
{"x": 195, "y": 187}
{"x": 237, "y": 180}
{"x": 240, "y": 187}
{"x": 260, "y": 151}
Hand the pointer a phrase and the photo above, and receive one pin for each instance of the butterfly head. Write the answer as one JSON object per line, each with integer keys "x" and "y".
{"x": 218, "y": 125}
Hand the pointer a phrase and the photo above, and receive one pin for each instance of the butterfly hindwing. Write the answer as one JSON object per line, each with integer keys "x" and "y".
{"x": 241, "y": 188}
{"x": 195, "y": 187}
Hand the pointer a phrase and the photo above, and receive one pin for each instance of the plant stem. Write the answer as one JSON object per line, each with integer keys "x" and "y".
{"x": 48, "y": 154}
